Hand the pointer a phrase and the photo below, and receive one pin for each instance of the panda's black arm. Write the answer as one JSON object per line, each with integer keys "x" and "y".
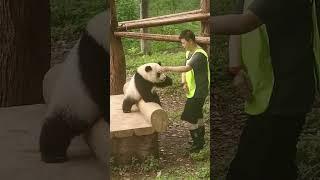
{"x": 144, "y": 88}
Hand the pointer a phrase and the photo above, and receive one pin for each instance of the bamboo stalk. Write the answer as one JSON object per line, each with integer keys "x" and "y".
{"x": 158, "y": 37}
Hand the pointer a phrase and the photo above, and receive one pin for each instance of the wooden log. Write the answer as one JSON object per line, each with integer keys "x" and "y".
{"x": 165, "y": 21}
{"x": 161, "y": 17}
{"x": 98, "y": 139}
{"x": 158, "y": 37}
{"x": 155, "y": 115}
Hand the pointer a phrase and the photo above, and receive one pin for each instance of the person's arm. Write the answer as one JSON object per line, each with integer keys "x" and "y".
{"x": 180, "y": 69}
{"x": 258, "y": 12}
{"x": 234, "y": 24}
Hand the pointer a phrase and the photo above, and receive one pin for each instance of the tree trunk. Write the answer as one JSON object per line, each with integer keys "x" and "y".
{"x": 205, "y": 31}
{"x": 24, "y": 51}
{"x": 318, "y": 14}
{"x": 144, "y": 44}
{"x": 117, "y": 58}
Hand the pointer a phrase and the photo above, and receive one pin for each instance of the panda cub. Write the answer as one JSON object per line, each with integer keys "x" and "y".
{"x": 80, "y": 92}
{"x": 141, "y": 85}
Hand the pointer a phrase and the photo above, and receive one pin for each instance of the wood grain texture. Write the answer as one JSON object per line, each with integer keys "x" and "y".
{"x": 24, "y": 51}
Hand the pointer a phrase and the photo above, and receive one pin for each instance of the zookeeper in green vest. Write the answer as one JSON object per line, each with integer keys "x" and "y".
{"x": 195, "y": 79}
{"x": 280, "y": 50}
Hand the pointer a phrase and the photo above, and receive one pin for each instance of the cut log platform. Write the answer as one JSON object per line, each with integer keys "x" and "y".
{"x": 135, "y": 134}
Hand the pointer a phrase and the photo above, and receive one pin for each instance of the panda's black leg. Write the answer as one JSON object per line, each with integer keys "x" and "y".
{"x": 55, "y": 137}
{"x": 156, "y": 98}
{"x": 127, "y": 105}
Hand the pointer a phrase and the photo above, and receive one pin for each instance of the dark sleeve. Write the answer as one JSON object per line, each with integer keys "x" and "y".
{"x": 197, "y": 60}
{"x": 267, "y": 10}
{"x": 238, "y": 8}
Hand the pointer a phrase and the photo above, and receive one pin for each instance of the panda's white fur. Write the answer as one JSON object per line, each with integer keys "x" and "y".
{"x": 142, "y": 84}
{"x": 70, "y": 100}
{"x": 70, "y": 92}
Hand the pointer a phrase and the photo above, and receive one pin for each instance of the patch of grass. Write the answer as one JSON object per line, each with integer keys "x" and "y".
{"x": 149, "y": 165}
{"x": 201, "y": 170}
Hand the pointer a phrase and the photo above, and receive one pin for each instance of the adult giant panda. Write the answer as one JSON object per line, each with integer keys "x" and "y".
{"x": 141, "y": 85}
{"x": 80, "y": 93}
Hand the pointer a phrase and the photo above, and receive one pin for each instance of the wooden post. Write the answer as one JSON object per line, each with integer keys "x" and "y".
{"x": 144, "y": 44}
{"x": 117, "y": 58}
{"x": 24, "y": 51}
{"x": 205, "y": 31}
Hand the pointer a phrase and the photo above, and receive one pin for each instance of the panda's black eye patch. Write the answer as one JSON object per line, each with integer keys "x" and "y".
{"x": 158, "y": 75}
{"x": 148, "y": 68}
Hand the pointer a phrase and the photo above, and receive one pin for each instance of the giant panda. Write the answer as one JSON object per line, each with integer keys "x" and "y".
{"x": 141, "y": 85}
{"x": 80, "y": 92}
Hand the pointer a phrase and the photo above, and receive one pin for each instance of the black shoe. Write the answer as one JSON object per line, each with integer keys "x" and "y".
{"x": 198, "y": 140}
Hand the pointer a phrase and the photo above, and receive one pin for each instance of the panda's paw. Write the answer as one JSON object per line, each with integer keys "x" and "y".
{"x": 54, "y": 159}
{"x": 126, "y": 111}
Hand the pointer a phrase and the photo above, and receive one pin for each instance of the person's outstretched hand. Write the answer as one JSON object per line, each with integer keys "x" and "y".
{"x": 163, "y": 69}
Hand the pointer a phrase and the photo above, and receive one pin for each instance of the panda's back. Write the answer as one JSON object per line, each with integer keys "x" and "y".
{"x": 132, "y": 91}
{"x": 70, "y": 93}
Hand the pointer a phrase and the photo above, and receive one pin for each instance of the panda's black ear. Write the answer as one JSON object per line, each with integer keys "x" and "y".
{"x": 159, "y": 63}
{"x": 148, "y": 68}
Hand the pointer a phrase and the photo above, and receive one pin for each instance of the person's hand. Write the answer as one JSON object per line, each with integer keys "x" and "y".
{"x": 243, "y": 85}
{"x": 163, "y": 69}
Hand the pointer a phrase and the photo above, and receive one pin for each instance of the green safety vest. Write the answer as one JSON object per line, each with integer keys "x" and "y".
{"x": 256, "y": 57}
{"x": 190, "y": 80}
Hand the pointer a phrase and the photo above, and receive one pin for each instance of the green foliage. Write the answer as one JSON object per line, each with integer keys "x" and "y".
{"x": 200, "y": 171}
{"x": 127, "y": 10}
{"x": 69, "y": 17}
{"x": 163, "y": 7}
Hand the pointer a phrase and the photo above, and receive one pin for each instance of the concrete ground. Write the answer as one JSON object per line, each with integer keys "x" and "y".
{"x": 19, "y": 153}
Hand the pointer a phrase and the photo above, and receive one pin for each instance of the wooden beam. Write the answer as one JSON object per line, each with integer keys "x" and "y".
{"x": 161, "y": 17}
{"x": 158, "y": 37}
{"x": 166, "y": 21}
